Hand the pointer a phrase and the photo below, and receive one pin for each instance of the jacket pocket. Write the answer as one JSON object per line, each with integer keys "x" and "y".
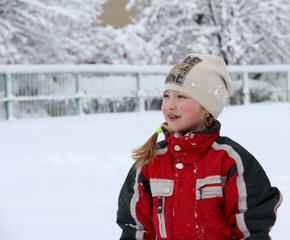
{"x": 210, "y": 187}
{"x": 205, "y": 192}
{"x": 160, "y": 189}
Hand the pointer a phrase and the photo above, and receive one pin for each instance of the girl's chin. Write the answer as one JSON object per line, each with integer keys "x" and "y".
{"x": 179, "y": 130}
{"x": 174, "y": 129}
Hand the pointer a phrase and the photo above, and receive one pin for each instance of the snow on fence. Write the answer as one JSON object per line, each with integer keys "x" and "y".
{"x": 60, "y": 90}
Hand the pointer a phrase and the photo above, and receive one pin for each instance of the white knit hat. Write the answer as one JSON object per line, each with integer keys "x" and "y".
{"x": 204, "y": 78}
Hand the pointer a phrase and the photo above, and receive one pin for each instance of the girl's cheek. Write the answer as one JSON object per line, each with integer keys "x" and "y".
{"x": 163, "y": 106}
{"x": 163, "y": 109}
{"x": 185, "y": 108}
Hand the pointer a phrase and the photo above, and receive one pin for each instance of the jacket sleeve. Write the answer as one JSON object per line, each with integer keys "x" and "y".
{"x": 134, "y": 213}
{"x": 250, "y": 201}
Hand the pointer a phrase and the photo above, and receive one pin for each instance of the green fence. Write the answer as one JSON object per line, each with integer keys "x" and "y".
{"x": 61, "y": 90}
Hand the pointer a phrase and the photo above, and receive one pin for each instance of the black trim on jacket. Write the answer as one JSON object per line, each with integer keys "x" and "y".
{"x": 262, "y": 198}
{"x": 124, "y": 217}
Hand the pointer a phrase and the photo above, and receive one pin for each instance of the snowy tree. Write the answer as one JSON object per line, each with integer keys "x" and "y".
{"x": 252, "y": 31}
{"x": 172, "y": 29}
{"x": 118, "y": 46}
{"x": 242, "y": 31}
{"x": 47, "y": 31}
{"x": 53, "y": 31}
{"x": 121, "y": 46}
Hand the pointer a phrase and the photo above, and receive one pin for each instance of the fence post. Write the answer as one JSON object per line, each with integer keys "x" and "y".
{"x": 77, "y": 92}
{"x": 288, "y": 89}
{"x": 7, "y": 89}
{"x": 139, "y": 93}
{"x": 246, "y": 88}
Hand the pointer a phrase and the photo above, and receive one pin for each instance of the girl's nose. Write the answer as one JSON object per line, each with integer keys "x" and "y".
{"x": 171, "y": 105}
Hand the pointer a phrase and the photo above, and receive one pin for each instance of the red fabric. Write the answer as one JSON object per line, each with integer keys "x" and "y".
{"x": 187, "y": 217}
{"x": 200, "y": 187}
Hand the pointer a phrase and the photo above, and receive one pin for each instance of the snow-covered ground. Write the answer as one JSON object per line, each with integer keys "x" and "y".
{"x": 60, "y": 177}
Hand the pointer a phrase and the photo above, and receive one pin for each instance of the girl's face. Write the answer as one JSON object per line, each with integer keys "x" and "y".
{"x": 182, "y": 113}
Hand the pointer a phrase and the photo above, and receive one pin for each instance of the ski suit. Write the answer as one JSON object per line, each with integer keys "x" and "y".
{"x": 200, "y": 186}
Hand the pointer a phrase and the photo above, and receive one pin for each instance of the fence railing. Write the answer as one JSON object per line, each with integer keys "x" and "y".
{"x": 58, "y": 90}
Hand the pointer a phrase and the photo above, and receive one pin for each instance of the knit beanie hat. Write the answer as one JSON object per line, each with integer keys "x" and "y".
{"x": 204, "y": 78}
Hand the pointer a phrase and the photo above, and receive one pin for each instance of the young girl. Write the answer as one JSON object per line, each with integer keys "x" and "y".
{"x": 196, "y": 184}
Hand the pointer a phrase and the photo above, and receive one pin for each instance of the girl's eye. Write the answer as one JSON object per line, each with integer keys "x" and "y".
{"x": 181, "y": 96}
{"x": 165, "y": 95}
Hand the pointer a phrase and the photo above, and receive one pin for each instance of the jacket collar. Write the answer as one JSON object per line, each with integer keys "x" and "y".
{"x": 194, "y": 143}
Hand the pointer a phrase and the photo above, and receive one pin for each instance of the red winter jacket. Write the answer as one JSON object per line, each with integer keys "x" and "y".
{"x": 200, "y": 186}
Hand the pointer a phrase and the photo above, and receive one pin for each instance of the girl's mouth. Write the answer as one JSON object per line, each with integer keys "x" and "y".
{"x": 173, "y": 117}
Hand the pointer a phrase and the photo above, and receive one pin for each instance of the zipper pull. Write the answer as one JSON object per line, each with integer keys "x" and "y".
{"x": 160, "y": 203}
{"x": 200, "y": 194}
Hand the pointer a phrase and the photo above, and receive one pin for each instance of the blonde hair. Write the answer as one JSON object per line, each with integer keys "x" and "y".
{"x": 147, "y": 152}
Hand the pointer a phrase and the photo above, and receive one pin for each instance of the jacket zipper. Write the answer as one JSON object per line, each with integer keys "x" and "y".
{"x": 161, "y": 217}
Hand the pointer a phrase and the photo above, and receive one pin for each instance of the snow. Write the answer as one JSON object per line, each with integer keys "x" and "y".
{"x": 162, "y": 32}
{"x": 60, "y": 177}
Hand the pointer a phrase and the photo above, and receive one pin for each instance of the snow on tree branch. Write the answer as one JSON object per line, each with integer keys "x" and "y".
{"x": 162, "y": 32}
